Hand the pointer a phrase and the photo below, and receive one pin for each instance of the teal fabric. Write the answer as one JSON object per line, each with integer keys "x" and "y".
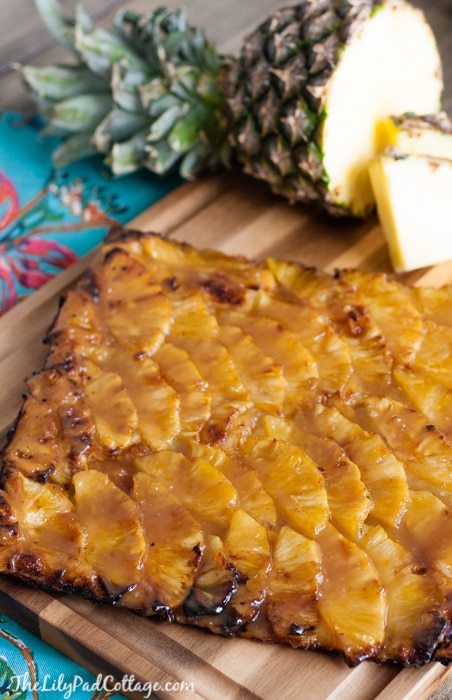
{"x": 32, "y": 670}
{"x": 48, "y": 219}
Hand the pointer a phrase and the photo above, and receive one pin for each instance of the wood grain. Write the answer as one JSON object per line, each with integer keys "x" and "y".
{"x": 236, "y": 216}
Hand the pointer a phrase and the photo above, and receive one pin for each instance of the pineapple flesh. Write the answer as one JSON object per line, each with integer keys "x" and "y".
{"x": 149, "y": 467}
{"x": 414, "y": 206}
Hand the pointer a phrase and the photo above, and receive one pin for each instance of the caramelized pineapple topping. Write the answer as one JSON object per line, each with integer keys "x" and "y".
{"x": 262, "y": 450}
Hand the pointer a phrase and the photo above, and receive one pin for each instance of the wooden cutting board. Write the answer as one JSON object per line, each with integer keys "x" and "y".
{"x": 233, "y": 214}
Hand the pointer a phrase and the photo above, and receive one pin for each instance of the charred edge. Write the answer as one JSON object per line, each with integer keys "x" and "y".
{"x": 357, "y": 320}
{"x": 89, "y": 285}
{"x": 221, "y": 292}
{"x": 43, "y": 476}
{"x": 12, "y": 431}
{"x": 200, "y": 603}
{"x": 171, "y": 283}
{"x": 428, "y": 638}
{"x": 56, "y": 582}
{"x": 119, "y": 234}
{"x": 49, "y": 332}
{"x": 163, "y": 612}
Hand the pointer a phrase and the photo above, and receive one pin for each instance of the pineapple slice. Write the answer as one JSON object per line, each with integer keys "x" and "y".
{"x": 433, "y": 303}
{"x": 36, "y": 451}
{"x": 248, "y": 548}
{"x": 285, "y": 346}
{"x": 155, "y": 402}
{"x": 431, "y": 399}
{"x": 403, "y": 334}
{"x": 253, "y": 498}
{"x": 423, "y": 135}
{"x": 294, "y": 589}
{"x": 294, "y": 482}
{"x": 412, "y": 193}
{"x": 137, "y": 312}
{"x": 260, "y": 374}
{"x": 435, "y": 354}
{"x": 199, "y": 485}
{"x": 50, "y": 527}
{"x": 84, "y": 332}
{"x": 418, "y": 444}
{"x": 175, "y": 545}
{"x": 356, "y": 620}
{"x": 387, "y": 486}
{"x": 194, "y": 399}
{"x": 112, "y": 411}
{"x": 428, "y": 524}
{"x": 115, "y": 544}
{"x": 208, "y": 493}
{"x": 59, "y": 433}
{"x": 415, "y": 617}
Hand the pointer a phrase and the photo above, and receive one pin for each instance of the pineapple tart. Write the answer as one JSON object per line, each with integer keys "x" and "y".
{"x": 259, "y": 449}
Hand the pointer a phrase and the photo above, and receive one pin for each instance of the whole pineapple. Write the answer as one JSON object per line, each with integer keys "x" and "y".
{"x": 301, "y": 107}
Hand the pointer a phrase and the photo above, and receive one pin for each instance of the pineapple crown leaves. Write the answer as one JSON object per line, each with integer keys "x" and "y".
{"x": 144, "y": 94}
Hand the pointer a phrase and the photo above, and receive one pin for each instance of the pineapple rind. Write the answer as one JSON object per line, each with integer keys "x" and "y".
{"x": 151, "y": 469}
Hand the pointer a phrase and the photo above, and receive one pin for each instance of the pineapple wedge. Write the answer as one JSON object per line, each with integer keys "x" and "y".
{"x": 423, "y": 135}
{"x": 414, "y": 206}
{"x": 254, "y": 454}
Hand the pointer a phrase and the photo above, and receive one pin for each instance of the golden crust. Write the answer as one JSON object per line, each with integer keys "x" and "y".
{"x": 259, "y": 449}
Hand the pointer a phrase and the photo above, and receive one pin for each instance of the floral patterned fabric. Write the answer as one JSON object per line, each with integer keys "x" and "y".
{"x": 49, "y": 218}
{"x": 32, "y": 670}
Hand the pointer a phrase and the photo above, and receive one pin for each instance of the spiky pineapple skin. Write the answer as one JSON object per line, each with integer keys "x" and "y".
{"x": 278, "y": 95}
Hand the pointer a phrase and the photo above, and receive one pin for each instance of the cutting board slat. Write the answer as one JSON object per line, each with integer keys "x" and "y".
{"x": 233, "y": 214}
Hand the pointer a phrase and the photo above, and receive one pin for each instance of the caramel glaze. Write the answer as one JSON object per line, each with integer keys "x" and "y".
{"x": 238, "y": 446}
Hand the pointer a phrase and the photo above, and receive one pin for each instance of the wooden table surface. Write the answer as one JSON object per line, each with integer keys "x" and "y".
{"x": 23, "y": 39}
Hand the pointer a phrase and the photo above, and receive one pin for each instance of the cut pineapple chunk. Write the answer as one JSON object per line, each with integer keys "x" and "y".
{"x": 424, "y": 135}
{"x": 414, "y": 207}
{"x": 387, "y": 86}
